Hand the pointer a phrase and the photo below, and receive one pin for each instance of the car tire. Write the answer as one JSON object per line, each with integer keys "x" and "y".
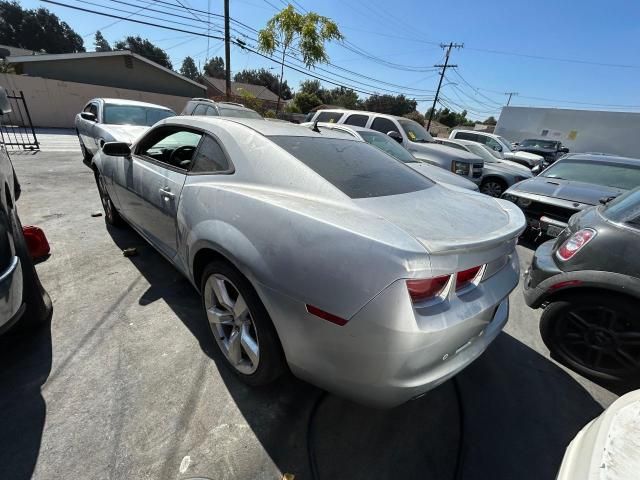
{"x": 588, "y": 332}
{"x": 243, "y": 332}
{"x": 111, "y": 215}
{"x": 86, "y": 154}
{"x": 38, "y": 306}
{"x": 493, "y": 187}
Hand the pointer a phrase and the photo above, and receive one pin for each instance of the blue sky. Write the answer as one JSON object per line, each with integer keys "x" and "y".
{"x": 407, "y": 33}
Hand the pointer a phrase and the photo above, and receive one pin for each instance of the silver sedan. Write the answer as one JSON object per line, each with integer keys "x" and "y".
{"x": 114, "y": 119}
{"x": 319, "y": 253}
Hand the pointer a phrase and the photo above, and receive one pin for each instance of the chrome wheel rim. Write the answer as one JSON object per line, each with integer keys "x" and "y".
{"x": 231, "y": 323}
{"x": 493, "y": 189}
{"x": 601, "y": 339}
{"x": 104, "y": 198}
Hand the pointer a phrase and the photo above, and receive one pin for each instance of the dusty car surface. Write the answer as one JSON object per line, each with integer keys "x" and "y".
{"x": 397, "y": 151}
{"x": 114, "y": 119}
{"x": 319, "y": 253}
{"x": 588, "y": 281}
{"x": 571, "y": 184}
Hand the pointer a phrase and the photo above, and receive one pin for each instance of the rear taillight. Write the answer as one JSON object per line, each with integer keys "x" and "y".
{"x": 426, "y": 288}
{"x": 466, "y": 277}
{"x": 36, "y": 240}
{"x": 574, "y": 243}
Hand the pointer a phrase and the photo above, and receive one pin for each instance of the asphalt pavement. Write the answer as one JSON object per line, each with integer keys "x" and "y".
{"x": 125, "y": 383}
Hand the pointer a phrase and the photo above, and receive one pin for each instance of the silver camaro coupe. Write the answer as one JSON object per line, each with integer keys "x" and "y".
{"x": 318, "y": 253}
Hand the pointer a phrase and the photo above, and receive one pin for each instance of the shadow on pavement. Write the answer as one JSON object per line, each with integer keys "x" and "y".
{"x": 25, "y": 363}
{"x": 519, "y": 410}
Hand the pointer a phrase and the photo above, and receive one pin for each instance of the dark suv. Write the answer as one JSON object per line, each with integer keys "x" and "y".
{"x": 204, "y": 106}
{"x": 588, "y": 282}
{"x": 551, "y": 150}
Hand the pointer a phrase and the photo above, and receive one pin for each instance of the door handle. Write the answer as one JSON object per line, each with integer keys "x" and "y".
{"x": 166, "y": 194}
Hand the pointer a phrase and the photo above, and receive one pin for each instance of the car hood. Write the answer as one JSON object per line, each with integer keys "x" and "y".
{"x": 505, "y": 166}
{"x": 536, "y": 150}
{"x": 440, "y": 175}
{"x": 445, "y": 220}
{"x": 124, "y": 133}
{"x": 523, "y": 155}
{"x": 441, "y": 152}
{"x": 566, "y": 190}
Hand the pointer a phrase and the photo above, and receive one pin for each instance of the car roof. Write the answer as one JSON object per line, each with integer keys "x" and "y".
{"x": 124, "y": 101}
{"x": 259, "y": 125}
{"x": 362, "y": 112}
{"x": 597, "y": 157}
{"x": 229, "y": 105}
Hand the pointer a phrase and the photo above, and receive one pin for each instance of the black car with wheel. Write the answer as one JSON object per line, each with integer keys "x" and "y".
{"x": 24, "y": 304}
{"x": 588, "y": 282}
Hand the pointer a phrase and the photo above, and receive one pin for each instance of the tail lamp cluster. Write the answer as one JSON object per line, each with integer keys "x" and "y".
{"x": 428, "y": 288}
{"x": 575, "y": 243}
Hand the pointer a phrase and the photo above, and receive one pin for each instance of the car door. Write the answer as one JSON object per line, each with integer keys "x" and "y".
{"x": 153, "y": 181}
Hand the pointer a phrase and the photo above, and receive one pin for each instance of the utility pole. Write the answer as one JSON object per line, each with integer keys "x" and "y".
{"x": 444, "y": 69}
{"x": 227, "y": 50}
{"x": 510, "y": 95}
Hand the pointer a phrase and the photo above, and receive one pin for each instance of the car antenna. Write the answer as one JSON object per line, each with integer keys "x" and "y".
{"x": 315, "y": 127}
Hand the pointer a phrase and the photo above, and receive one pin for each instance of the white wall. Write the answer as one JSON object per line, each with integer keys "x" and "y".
{"x": 580, "y": 130}
{"x": 54, "y": 103}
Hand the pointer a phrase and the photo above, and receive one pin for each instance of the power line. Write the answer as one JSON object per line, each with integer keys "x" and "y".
{"x": 444, "y": 70}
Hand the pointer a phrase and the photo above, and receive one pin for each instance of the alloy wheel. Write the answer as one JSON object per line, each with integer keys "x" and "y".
{"x": 601, "y": 339}
{"x": 493, "y": 189}
{"x": 231, "y": 323}
{"x": 104, "y": 198}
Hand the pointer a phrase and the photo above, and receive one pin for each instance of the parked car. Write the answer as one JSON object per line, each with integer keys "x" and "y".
{"x": 588, "y": 282}
{"x": 498, "y": 174}
{"x": 411, "y": 135}
{"x": 550, "y": 150}
{"x": 571, "y": 184}
{"x": 363, "y": 276}
{"x": 397, "y": 151}
{"x": 607, "y": 447}
{"x": 499, "y": 144}
{"x": 204, "y": 106}
{"x": 24, "y": 304}
{"x": 114, "y": 119}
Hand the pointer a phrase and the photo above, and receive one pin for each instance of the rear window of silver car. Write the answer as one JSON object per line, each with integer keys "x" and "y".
{"x": 356, "y": 168}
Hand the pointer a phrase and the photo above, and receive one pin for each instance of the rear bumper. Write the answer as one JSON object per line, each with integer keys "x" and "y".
{"x": 11, "y": 285}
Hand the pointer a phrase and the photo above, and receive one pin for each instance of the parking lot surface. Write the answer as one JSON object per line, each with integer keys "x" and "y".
{"x": 125, "y": 381}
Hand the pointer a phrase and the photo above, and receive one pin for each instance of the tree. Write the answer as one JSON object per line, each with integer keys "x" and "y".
{"x": 264, "y": 78}
{"x": 189, "y": 69}
{"x": 214, "y": 68}
{"x": 416, "y": 116}
{"x": 38, "y": 30}
{"x": 490, "y": 121}
{"x": 101, "y": 43}
{"x": 306, "y": 101}
{"x": 309, "y": 32}
{"x": 345, "y": 97}
{"x": 450, "y": 118}
{"x": 145, "y": 48}
{"x": 390, "y": 104}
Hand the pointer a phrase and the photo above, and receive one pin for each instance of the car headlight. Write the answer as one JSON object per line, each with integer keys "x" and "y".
{"x": 460, "y": 168}
{"x": 511, "y": 198}
{"x": 523, "y": 202}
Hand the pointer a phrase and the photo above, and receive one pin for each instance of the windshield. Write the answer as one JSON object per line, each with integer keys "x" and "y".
{"x": 415, "y": 132}
{"x": 239, "y": 113}
{"x": 615, "y": 175}
{"x": 388, "y": 145}
{"x": 356, "y": 168}
{"x": 549, "y": 144}
{"x": 624, "y": 209}
{"x": 134, "y": 115}
{"x": 506, "y": 144}
{"x": 482, "y": 151}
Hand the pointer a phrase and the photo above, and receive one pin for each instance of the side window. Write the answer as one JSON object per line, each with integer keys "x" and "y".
{"x": 491, "y": 143}
{"x": 210, "y": 157}
{"x": 468, "y": 136}
{"x": 87, "y": 108}
{"x": 384, "y": 125}
{"x": 211, "y": 112}
{"x": 92, "y": 108}
{"x": 200, "y": 109}
{"x": 331, "y": 117}
{"x": 173, "y": 146}
{"x": 357, "y": 120}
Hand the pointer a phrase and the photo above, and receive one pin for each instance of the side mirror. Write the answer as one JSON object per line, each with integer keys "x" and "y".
{"x": 536, "y": 170}
{"x": 497, "y": 148}
{"x": 116, "y": 149}
{"x": 5, "y": 106}
{"x": 563, "y": 150}
{"x": 88, "y": 116}
{"x": 395, "y": 135}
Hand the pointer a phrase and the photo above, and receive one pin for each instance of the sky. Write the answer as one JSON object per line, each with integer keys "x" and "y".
{"x": 580, "y": 54}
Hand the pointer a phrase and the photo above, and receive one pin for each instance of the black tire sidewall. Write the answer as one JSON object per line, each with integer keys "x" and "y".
{"x": 115, "y": 219}
{"x": 271, "y": 363}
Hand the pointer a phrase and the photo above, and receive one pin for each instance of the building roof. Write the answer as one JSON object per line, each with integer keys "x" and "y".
{"x": 258, "y": 91}
{"x": 82, "y": 55}
{"x": 13, "y": 51}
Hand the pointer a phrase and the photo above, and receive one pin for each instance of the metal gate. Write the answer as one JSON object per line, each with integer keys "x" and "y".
{"x": 16, "y": 128}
